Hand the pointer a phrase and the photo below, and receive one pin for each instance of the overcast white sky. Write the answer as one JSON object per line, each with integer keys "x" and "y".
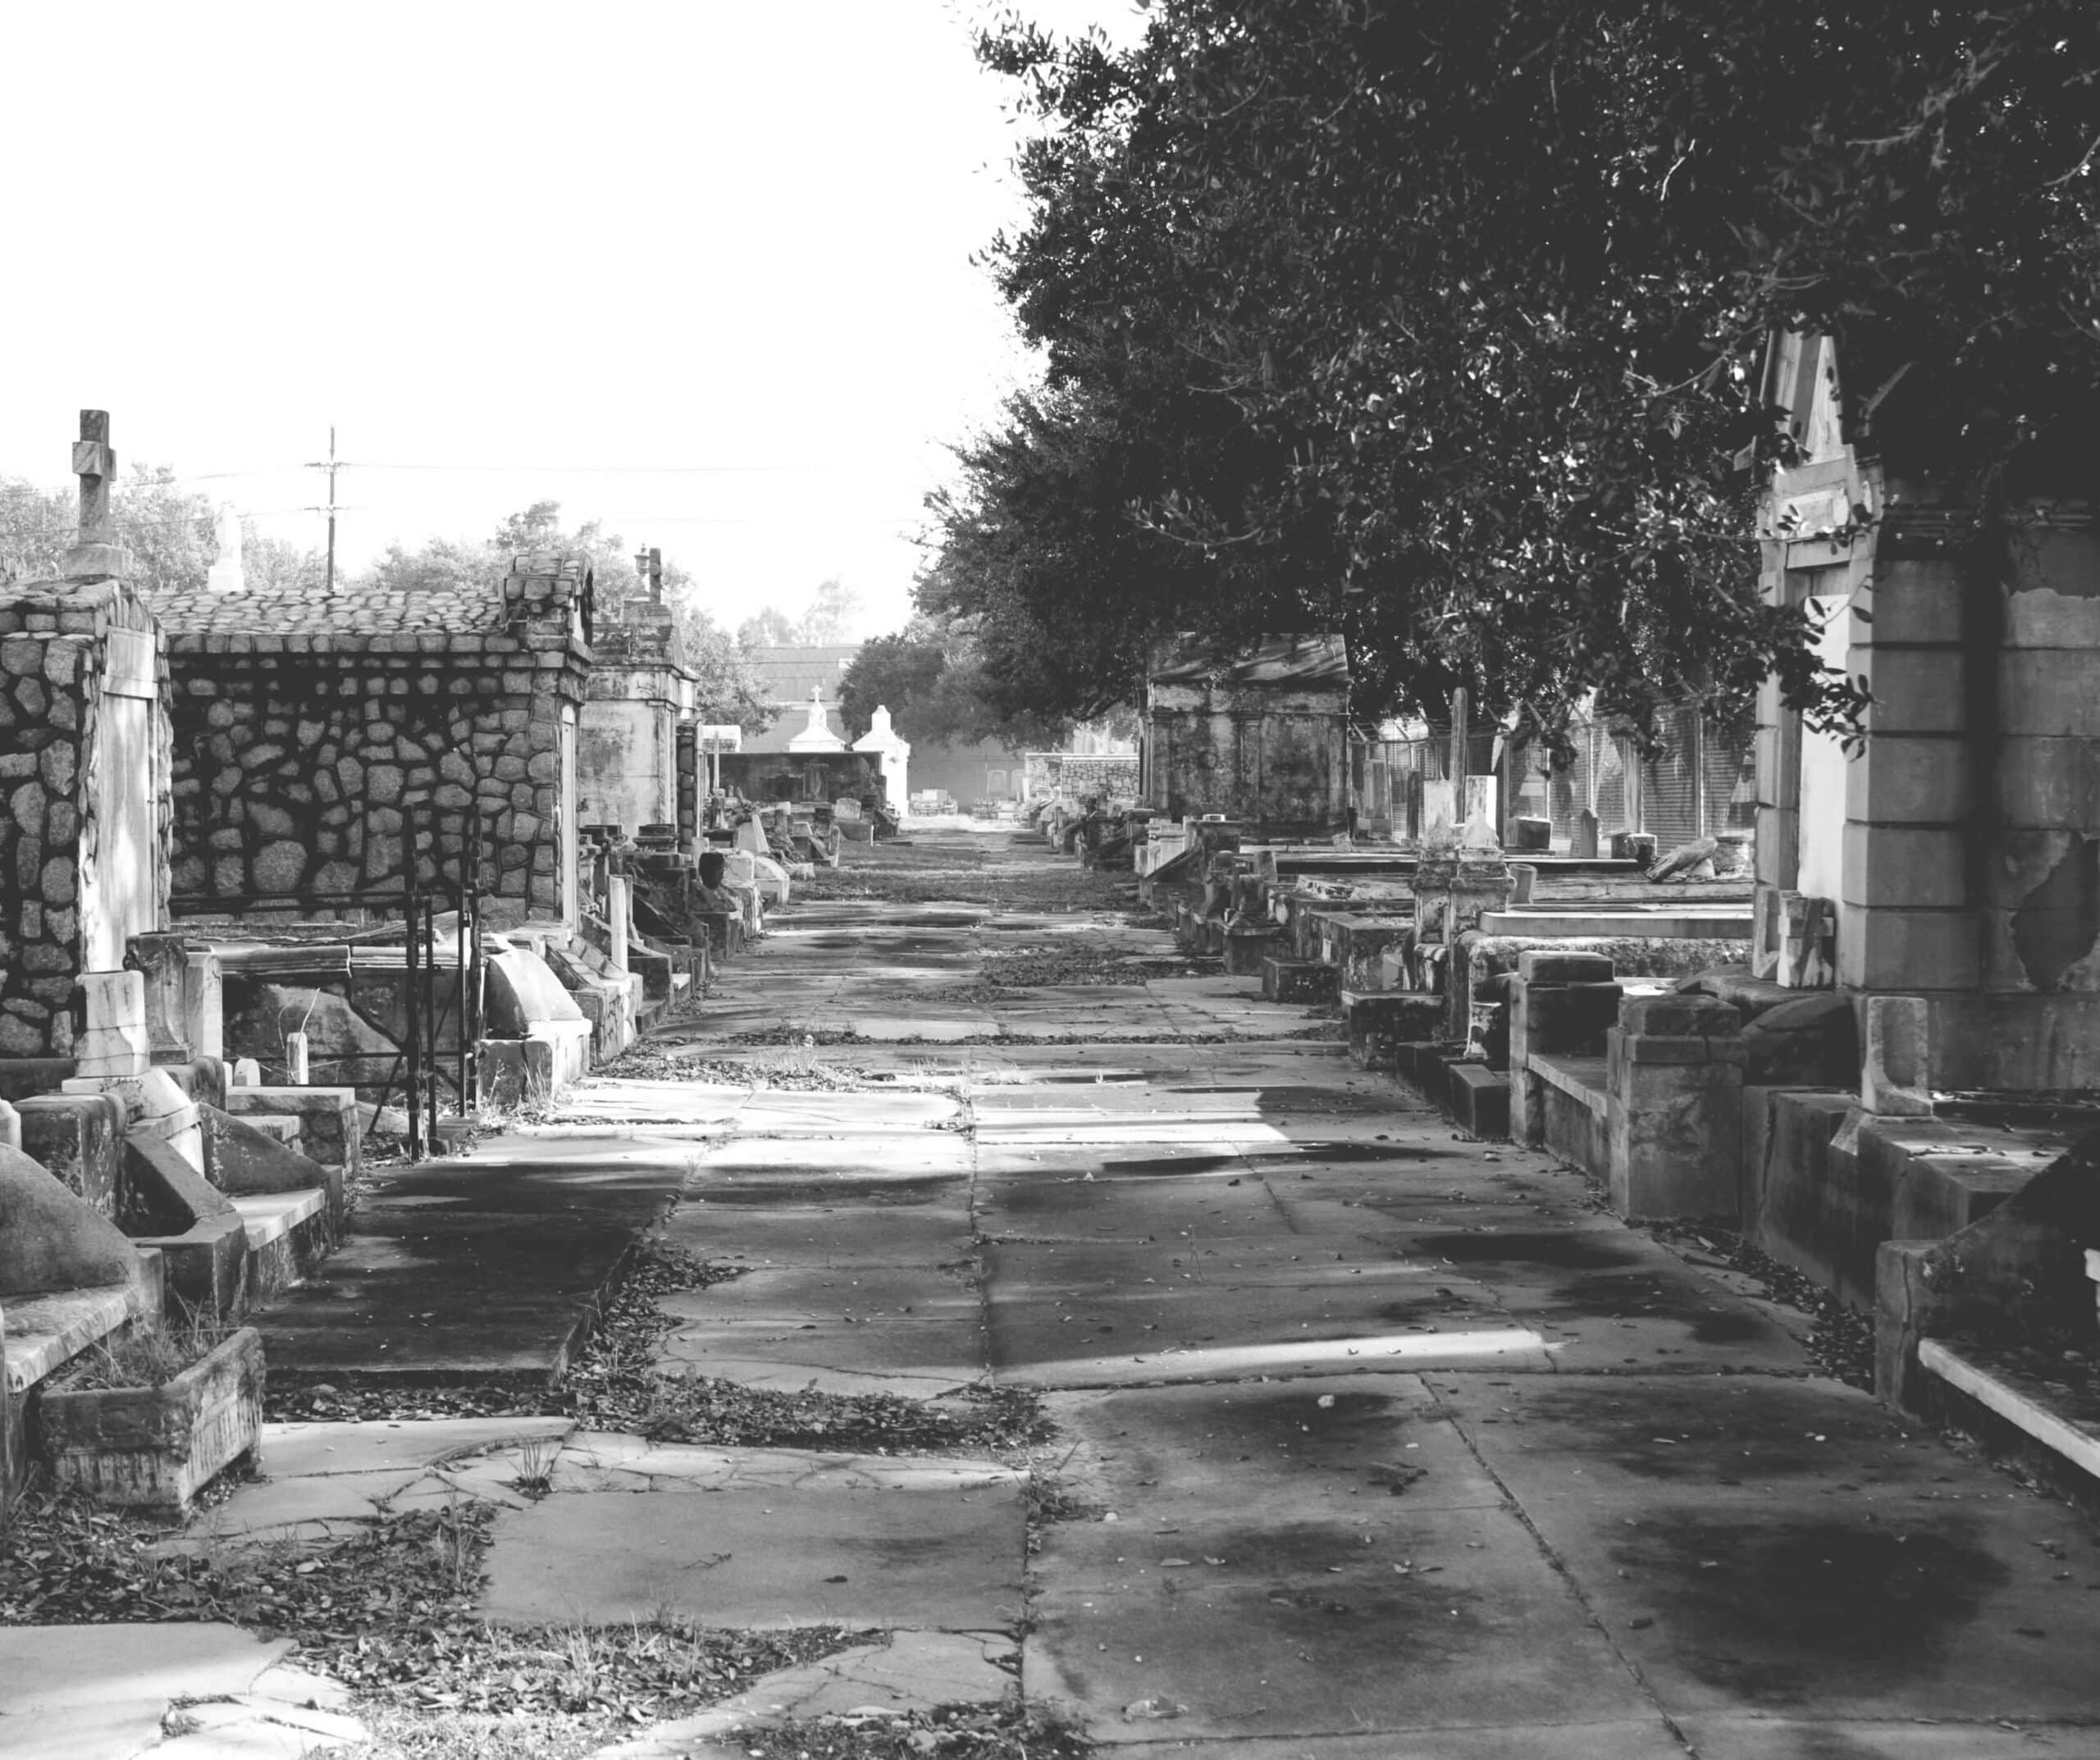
{"x": 700, "y": 270}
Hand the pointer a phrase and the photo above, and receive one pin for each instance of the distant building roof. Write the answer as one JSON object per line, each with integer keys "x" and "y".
{"x": 1306, "y": 661}
{"x": 788, "y": 674}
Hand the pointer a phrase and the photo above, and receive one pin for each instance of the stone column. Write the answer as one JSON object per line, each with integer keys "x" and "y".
{"x": 1673, "y": 1072}
{"x": 1910, "y": 924}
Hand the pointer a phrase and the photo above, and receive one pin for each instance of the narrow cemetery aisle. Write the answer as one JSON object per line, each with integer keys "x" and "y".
{"x": 1365, "y": 1438}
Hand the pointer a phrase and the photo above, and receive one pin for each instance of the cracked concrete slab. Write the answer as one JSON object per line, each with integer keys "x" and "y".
{"x": 930, "y": 1356}
{"x": 915, "y": 1671}
{"x": 1450, "y": 1617}
{"x": 949, "y": 1558}
{"x": 92, "y": 1692}
{"x": 772, "y": 1295}
{"x": 308, "y": 1450}
{"x": 814, "y": 1234}
{"x": 1166, "y": 1454}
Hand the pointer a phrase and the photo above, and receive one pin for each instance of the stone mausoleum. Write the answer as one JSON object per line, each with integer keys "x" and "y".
{"x": 304, "y": 726}
{"x": 1262, "y": 740}
{"x": 638, "y": 710}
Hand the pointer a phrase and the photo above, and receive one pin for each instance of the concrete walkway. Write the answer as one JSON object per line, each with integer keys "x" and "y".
{"x": 1372, "y": 1441}
{"x": 1382, "y": 1442}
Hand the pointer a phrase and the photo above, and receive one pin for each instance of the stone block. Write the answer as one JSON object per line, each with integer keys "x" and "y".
{"x": 1675, "y": 1132}
{"x": 1381, "y": 1022}
{"x": 2048, "y": 691}
{"x": 1888, "y": 949}
{"x": 80, "y": 1138}
{"x": 2038, "y": 781}
{"x": 1810, "y": 1040}
{"x": 1479, "y": 1100}
{"x": 1905, "y": 867}
{"x": 330, "y": 1129}
{"x": 51, "y": 1239}
{"x": 1299, "y": 981}
{"x": 514, "y": 1073}
{"x": 1917, "y": 601}
{"x": 1543, "y": 965}
{"x": 1245, "y": 948}
{"x": 1896, "y": 1057}
{"x": 1910, "y": 779}
{"x": 116, "y": 1042}
{"x": 1355, "y": 945}
{"x": 1916, "y": 691}
{"x": 1679, "y": 1016}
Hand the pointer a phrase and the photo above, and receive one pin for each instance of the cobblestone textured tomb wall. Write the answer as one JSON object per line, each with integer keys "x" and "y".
{"x": 84, "y": 757}
{"x": 302, "y": 731}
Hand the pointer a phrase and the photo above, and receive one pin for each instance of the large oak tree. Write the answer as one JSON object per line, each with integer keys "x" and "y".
{"x": 1441, "y": 325}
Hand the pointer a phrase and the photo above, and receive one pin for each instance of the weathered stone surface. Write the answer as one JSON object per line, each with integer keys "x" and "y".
{"x": 1812, "y": 1041}
{"x": 52, "y": 1240}
{"x": 280, "y": 867}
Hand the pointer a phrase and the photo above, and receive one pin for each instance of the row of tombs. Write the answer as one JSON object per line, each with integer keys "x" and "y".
{"x": 285, "y": 882}
{"x": 1673, "y": 1052}
{"x": 1866, "y": 1042}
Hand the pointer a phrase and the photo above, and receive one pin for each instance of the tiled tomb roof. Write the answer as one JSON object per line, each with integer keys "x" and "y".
{"x": 542, "y": 593}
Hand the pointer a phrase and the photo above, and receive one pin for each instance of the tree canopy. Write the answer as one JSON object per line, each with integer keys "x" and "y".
{"x": 932, "y": 680}
{"x": 727, "y": 689}
{"x": 1441, "y": 325}
{"x": 827, "y": 621}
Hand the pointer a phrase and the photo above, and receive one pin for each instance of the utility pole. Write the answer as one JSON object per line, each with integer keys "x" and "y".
{"x": 331, "y": 464}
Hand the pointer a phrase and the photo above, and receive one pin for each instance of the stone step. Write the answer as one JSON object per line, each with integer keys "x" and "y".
{"x": 2059, "y": 1414}
{"x": 289, "y": 1234}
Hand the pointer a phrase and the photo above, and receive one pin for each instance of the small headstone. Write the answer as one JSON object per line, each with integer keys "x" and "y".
{"x": 1439, "y": 815}
{"x": 247, "y": 1072}
{"x": 295, "y": 1059}
{"x": 1525, "y": 879}
{"x": 1583, "y": 845}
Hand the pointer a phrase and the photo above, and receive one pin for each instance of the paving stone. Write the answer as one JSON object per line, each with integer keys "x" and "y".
{"x": 1299, "y": 1630}
{"x": 1648, "y": 1739}
{"x": 300, "y": 1451}
{"x": 1906, "y": 1738}
{"x": 273, "y": 1506}
{"x": 924, "y": 1233}
{"x": 1289, "y": 1450}
{"x": 915, "y": 1671}
{"x": 738, "y": 1556}
{"x": 772, "y": 1295}
{"x": 90, "y": 1692}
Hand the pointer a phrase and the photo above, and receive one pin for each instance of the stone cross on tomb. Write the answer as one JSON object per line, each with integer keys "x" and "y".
{"x": 95, "y": 552}
{"x": 94, "y": 464}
